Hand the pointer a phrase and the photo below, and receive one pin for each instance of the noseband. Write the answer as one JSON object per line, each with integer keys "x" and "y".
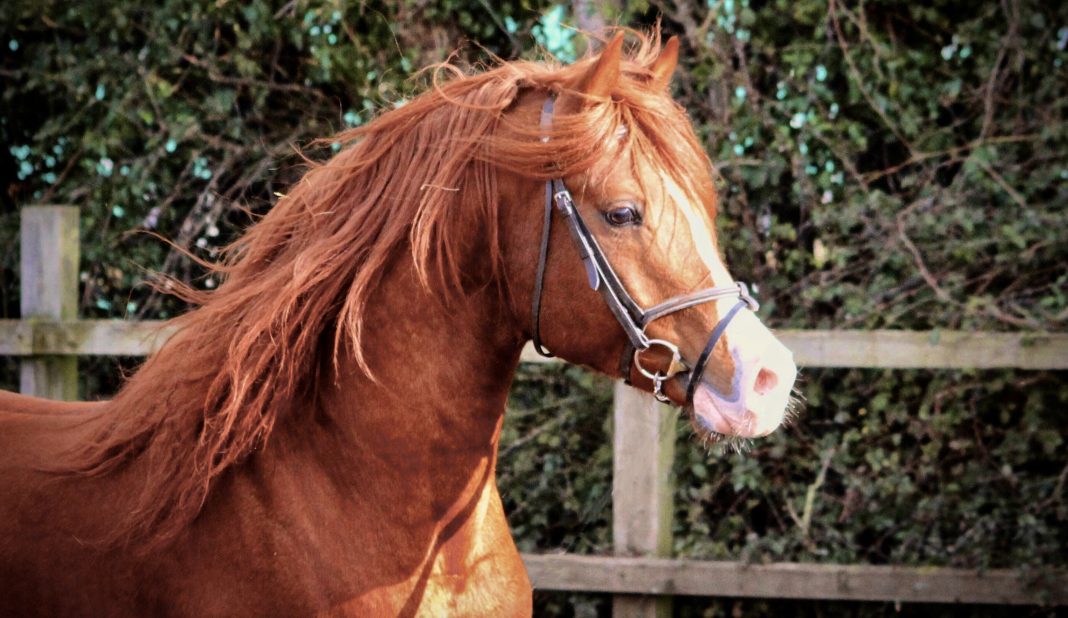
{"x": 631, "y": 316}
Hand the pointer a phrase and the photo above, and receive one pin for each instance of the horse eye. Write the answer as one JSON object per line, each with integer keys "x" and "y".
{"x": 624, "y": 215}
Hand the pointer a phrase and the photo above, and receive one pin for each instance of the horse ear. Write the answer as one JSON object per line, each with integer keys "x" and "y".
{"x": 664, "y": 66}
{"x": 602, "y": 78}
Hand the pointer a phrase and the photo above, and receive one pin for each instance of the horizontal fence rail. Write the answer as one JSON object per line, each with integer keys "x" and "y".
{"x": 791, "y": 580}
{"x": 49, "y": 339}
{"x": 888, "y": 349}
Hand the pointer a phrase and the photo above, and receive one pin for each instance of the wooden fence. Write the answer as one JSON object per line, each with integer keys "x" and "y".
{"x": 49, "y": 338}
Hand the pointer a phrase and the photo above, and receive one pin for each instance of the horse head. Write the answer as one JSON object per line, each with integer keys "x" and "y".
{"x": 630, "y": 279}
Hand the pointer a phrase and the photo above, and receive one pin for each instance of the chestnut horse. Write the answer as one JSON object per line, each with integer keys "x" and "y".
{"x": 320, "y": 434}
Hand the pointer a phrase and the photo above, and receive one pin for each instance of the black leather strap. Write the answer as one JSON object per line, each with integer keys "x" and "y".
{"x": 546, "y": 231}
{"x": 600, "y": 274}
{"x": 539, "y": 277}
{"x": 699, "y": 297}
{"x": 626, "y": 362}
{"x": 702, "y": 360}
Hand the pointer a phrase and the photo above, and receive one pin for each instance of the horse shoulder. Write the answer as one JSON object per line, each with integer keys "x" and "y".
{"x": 478, "y": 570}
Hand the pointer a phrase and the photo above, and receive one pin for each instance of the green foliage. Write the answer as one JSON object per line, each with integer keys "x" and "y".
{"x": 173, "y": 117}
{"x": 557, "y": 458}
{"x": 889, "y": 166}
{"x": 892, "y": 473}
{"x": 885, "y": 165}
{"x": 555, "y": 470}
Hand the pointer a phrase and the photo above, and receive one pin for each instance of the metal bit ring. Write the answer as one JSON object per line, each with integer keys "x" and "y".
{"x": 675, "y": 367}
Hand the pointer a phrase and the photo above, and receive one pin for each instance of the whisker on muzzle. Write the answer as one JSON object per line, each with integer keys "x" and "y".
{"x": 795, "y": 404}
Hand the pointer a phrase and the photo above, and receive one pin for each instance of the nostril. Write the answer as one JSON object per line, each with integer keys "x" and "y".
{"x": 766, "y": 381}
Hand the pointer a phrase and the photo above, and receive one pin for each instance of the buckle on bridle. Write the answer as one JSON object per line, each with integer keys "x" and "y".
{"x": 743, "y": 294}
{"x": 563, "y": 200}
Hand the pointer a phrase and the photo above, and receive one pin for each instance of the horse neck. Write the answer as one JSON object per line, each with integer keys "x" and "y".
{"x": 428, "y": 419}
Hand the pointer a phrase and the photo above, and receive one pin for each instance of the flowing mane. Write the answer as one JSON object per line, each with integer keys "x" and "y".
{"x": 419, "y": 179}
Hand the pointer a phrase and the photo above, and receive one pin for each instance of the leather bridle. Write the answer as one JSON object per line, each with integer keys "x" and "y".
{"x": 631, "y": 316}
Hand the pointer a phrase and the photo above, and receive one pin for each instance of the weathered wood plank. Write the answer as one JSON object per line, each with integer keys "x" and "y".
{"x": 642, "y": 451}
{"x": 888, "y": 349}
{"x": 49, "y": 257}
{"x": 615, "y": 574}
{"x": 899, "y": 349}
{"x": 83, "y": 337}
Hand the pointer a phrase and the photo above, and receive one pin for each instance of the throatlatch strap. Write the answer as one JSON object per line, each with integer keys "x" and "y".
{"x": 543, "y": 254}
{"x": 539, "y": 278}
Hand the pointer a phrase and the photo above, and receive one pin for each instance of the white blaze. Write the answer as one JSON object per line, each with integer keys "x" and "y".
{"x": 764, "y": 371}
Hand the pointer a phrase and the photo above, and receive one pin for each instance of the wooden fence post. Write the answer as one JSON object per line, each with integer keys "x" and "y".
{"x": 49, "y": 291}
{"x": 642, "y": 452}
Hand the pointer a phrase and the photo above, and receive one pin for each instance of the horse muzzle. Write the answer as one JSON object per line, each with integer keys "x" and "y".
{"x": 758, "y": 396}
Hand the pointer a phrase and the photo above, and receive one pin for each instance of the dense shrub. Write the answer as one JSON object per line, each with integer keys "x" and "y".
{"x": 892, "y": 165}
